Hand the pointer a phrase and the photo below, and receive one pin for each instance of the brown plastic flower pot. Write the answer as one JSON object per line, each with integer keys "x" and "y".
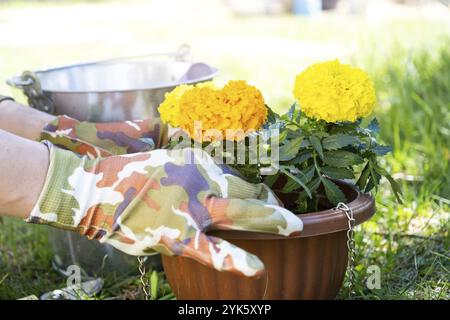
{"x": 310, "y": 266}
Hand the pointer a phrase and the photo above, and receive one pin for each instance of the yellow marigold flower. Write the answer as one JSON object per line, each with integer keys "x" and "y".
{"x": 170, "y": 108}
{"x": 237, "y": 106}
{"x": 247, "y": 109}
{"x": 333, "y": 92}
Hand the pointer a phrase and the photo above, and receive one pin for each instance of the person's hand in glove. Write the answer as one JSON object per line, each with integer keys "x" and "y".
{"x": 140, "y": 203}
{"x": 89, "y": 138}
{"x": 83, "y": 137}
{"x": 164, "y": 201}
{"x": 105, "y": 139}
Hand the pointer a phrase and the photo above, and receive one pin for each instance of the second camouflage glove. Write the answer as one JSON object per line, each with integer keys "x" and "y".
{"x": 162, "y": 200}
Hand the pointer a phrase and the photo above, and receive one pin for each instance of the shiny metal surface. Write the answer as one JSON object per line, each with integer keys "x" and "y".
{"x": 112, "y": 90}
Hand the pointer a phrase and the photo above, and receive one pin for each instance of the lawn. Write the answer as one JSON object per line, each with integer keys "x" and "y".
{"x": 407, "y": 57}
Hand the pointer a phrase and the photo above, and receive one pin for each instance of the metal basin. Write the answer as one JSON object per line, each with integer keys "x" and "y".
{"x": 114, "y": 90}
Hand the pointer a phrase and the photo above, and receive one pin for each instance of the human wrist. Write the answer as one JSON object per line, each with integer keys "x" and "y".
{"x": 24, "y": 164}
{"x": 21, "y": 120}
{"x": 6, "y": 108}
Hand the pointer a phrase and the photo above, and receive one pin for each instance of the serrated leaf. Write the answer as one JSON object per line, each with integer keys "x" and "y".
{"x": 374, "y": 181}
{"x": 292, "y": 116}
{"x": 276, "y": 125}
{"x": 290, "y": 186}
{"x": 270, "y": 180}
{"x": 381, "y": 150}
{"x": 290, "y": 113}
{"x": 338, "y": 173}
{"x": 290, "y": 148}
{"x": 333, "y": 192}
{"x": 341, "y": 158}
{"x": 297, "y": 114}
{"x": 338, "y": 141}
{"x": 293, "y": 133}
{"x": 293, "y": 177}
{"x": 395, "y": 188}
{"x": 305, "y": 143}
{"x": 315, "y": 141}
{"x": 374, "y": 126}
{"x": 394, "y": 185}
{"x": 303, "y": 156}
{"x": 312, "y": 185}
{"x": 362, "y": 180}
{"x": 271, "y": 116}
{"x": 379, "y": 169}
{"x": 282, "y": 136}
{"x": 304, "y": 175}
{"x": 321, "y": 134}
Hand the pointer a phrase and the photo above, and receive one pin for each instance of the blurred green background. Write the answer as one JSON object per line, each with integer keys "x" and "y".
{"x": 404, "y": 45}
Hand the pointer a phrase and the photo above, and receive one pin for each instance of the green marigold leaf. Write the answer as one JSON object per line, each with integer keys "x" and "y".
{"x": 289, "y": 149}
{"x": 312, "y": 185}
{"x": 272, "y": 117}
{"x": 362, "y": 180}
{"x": 315, "y": 141}
{"x": 338, "y": 173}
{"x": 395, "y": 188}
{"x": 374, "y": 181}
{"x": 338, "y": 141}
{"x": 302, "y": 156}
{"x": 287, "y": 172}
{"x": 381, "y": 150}
{"x": 291, "y": 111}
{"x": 294, "y": 113}
{"x": 373, "y": 126}
{"x": 341, "y": 158}
{"x": 270, "y": 180}
{"x": 282, "y": 136}
{"x": 394, "y": 185}
{"x": 333, "y": 192}
{"x": 305, "y": 176}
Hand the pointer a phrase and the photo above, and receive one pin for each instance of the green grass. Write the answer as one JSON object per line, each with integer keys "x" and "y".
{"x": 409, "y": 61}
{"x": 25, "y": 260}
{"x": 410, "y": 242}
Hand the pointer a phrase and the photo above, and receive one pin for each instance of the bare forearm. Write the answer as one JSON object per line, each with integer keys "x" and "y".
{"x": 21, "y": 120}
{"x": 23, "y": 168}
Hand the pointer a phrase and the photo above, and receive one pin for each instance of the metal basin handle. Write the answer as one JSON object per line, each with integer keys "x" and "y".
{"x": 183, "y": 53}
{"x": 31, "y": 87}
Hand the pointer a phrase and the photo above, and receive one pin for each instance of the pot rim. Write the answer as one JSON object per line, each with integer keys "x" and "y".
{"x": 319, "y": 222}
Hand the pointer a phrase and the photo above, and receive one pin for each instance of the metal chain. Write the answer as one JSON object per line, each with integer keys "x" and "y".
{"x": 350, "y": 246}
{"x": 145, "y": 282}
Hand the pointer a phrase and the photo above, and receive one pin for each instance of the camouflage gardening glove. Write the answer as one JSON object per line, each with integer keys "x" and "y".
{"x": 105, "y": 139}
{"x": 162, "y": 200}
